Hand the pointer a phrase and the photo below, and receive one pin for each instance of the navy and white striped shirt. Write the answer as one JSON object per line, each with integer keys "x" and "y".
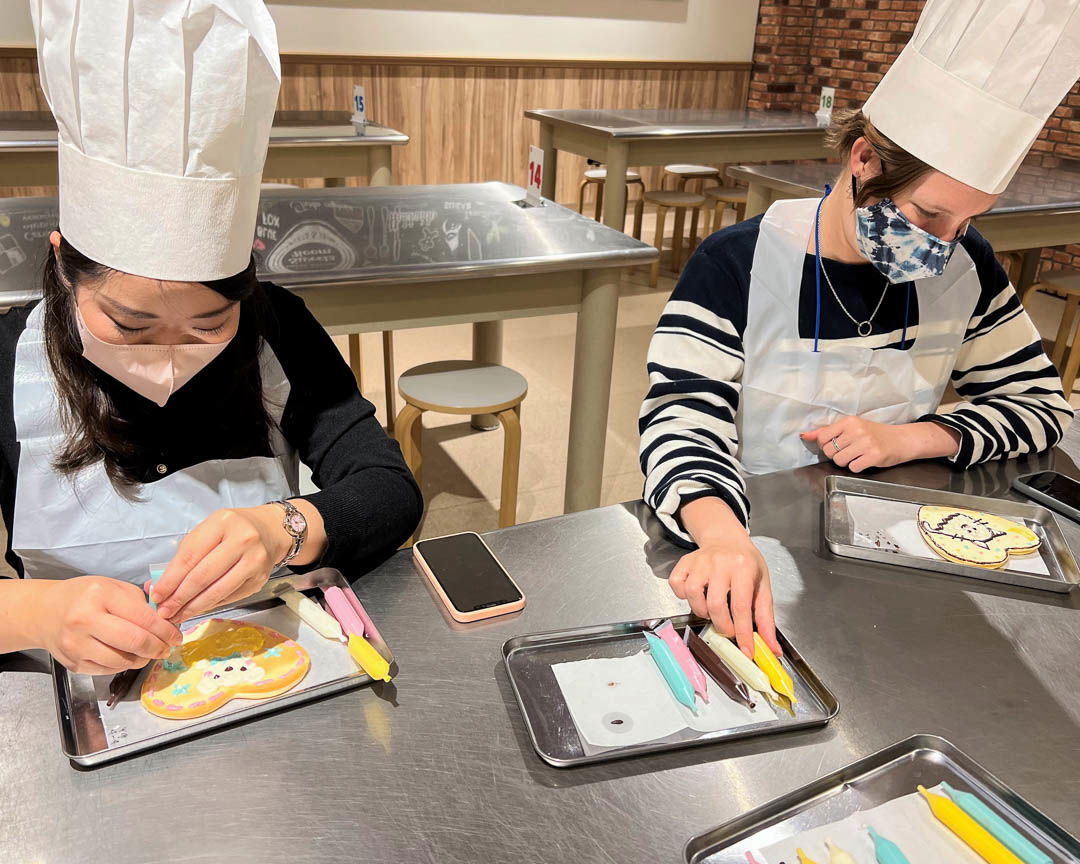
{"x": 1011, "y": 398}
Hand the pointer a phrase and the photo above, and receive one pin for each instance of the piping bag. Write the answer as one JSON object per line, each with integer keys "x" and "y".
{"x": 768, "y": 663}
{"x": 669, "y": 667}
{"x": 838, "y": 855}
{"x": 685, "y": 659}
{"x": 981, "y": 841}
{"x": 352, "y": 620}
{"x": 740, "y": 664}
{"x": 1016, "y": 842}
{"x": 121, "y": 683}
{"x": 804, "y": 858}
{"x": 735, "y": 688}
{"x": 311, "y": 613}
{"x": 885, "y": 851}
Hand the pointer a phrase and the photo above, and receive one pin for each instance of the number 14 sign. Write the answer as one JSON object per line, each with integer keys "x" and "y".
{"x": 536, "y": 176}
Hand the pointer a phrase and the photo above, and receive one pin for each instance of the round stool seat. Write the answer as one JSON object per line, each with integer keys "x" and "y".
{"x": 667, "y": 198}
{"x": 681, "y": 170}
{"x": 601, "y": 174}
{"x": 462, "y": 387}
{"x": 278, "y": 186}
{"x": 727, "y": 194}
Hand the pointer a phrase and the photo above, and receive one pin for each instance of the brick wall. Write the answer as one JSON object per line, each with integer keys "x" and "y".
{"x": 803, "y": 45}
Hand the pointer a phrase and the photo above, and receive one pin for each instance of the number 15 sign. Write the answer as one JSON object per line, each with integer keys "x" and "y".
{"x": 536, "y": 176}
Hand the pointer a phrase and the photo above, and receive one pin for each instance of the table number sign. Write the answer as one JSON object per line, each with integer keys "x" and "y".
{"x": 359, "y": 105}
{"x": 536, "y": 176}
{"x": 825, "y": 106}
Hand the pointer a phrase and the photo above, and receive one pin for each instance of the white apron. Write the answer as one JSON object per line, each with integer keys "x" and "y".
{"x": 788, "y": 389}
{"x": 66, "y": 527}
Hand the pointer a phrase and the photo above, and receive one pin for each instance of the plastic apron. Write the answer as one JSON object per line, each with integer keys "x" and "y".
{"x": 66, "y": 527}
{"x": 788, "y": 389}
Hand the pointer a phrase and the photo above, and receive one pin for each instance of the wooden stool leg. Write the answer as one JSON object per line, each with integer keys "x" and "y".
{"x": 740, "y": 211}
{"x": 677, "y": 237}
{"x": 692, "y": 245}
{"x": 389, "y": 378}
{"x": 639, "y": 213}
{"x": 356, "y": 360}
{"x": 581, "y": 197}
{"x": 717, "y": 220}
{"x": 599, "y": 200}
{"x": 511, "y": 423}
{"x": 408, "y": 438}
{"x": 654, "y": 272}
{"x": 681, "y": 184}
{"x": 1065, "y": 329}
{"x": 1068, "y": 378}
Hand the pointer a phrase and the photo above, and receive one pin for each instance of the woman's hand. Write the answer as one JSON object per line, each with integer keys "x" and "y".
{"x": 225, "y": 558}
{"x": 726, "y": 579}
{"x": 98, "y": 626}
{"x": 856, "y": 443}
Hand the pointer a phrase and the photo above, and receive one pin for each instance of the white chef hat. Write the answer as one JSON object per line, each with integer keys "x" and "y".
{"x": 973, "y": 88}
{"x": 164, "y": 110}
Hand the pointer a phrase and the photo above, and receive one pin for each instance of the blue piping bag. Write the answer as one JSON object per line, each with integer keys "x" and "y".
{"x": 885, "y": 850}
{"x": 673, "y": 674}
{"x": 1016, "y": 842}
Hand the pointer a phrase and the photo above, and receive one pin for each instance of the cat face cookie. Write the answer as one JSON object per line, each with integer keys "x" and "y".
{"x": 221, "y": 660}
{"x": 971, "y": 537}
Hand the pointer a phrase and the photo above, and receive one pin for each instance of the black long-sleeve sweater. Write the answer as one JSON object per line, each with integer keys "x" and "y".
{"x": 368, "y": 499}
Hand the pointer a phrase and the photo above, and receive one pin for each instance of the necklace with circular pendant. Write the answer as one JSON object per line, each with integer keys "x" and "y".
{"x": 863, "y": 328}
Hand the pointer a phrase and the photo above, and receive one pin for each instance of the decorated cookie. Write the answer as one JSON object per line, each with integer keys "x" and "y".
{"x": 221, "y": 660}
{"x": 970, "y": 537}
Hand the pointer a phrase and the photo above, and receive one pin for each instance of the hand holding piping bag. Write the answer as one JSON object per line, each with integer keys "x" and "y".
{"x": 738, "y": 662}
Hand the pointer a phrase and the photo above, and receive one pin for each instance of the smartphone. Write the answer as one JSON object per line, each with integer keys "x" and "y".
{"x": 468, "y": 578}
{"x": 1052, "y": 489}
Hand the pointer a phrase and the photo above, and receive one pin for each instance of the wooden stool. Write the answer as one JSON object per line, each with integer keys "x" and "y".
{"x": 722, "y": 197}
{"x": 664, "y": 201}
{"x": 1066, "y": 282}
{"x": 465, "y": 387}
{"x": 597, "y": 177}
{"x": 684, "y": 174}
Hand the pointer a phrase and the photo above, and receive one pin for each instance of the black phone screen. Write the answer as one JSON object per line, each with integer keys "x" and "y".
{"x": 1064, "y": 489}
{"x": 468, "y": 572}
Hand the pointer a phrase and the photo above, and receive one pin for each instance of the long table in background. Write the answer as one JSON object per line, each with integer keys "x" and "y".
{"x": 1040, "y": 207}
{"x": 381, "y": 259}
{"x": 634, "y": 137}
{"x": 438, "y": 767}
{"x": 302, "y": 144}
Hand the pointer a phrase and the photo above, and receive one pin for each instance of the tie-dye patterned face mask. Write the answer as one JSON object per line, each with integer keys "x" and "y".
{"x": 900, "y": 250}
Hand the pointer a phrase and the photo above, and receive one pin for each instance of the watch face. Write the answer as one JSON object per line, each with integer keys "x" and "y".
{"x": 296, "y": 522}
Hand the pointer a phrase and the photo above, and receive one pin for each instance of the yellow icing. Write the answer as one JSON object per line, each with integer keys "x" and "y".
{"x": 222, "y": 643}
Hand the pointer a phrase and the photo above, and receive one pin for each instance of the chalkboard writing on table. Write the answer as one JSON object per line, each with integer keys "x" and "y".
{"x": 307, "y": 237}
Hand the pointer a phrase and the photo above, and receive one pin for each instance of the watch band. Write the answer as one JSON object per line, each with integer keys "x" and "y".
{"x": 295, "y": 523}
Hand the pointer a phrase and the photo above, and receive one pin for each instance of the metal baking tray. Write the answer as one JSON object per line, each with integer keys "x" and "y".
{"x": 841, "y": 493}
{"x": 529, "y": 659}
{"x": 887, "y": 774}
{"x": 92, "y": 733}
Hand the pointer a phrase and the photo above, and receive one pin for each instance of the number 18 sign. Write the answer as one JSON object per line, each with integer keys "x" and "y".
{"x": 536, "y": 176}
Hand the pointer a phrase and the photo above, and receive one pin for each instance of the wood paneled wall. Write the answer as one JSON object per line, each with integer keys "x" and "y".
{"x": 465, "y": 117}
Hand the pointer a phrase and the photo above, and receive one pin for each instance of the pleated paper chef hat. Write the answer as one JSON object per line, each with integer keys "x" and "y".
{"x": 164, "y": 110}
{"x": 973, "y": 88}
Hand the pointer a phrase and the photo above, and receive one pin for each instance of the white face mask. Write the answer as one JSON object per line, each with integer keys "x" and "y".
{"x": 152, "y": 371}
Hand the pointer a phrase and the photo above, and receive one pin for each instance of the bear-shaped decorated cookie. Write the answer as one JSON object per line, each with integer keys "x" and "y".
{"x": 971, "y": 537}
{"x": 220, "y": 660}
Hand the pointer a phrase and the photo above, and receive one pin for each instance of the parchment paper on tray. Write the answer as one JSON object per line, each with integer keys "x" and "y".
{"x": 907, "y": 821}
{"x": 894, "y": 526}
{"x": 621, "y": 701}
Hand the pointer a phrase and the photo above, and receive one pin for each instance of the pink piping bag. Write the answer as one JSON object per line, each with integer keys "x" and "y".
{"x": 685, "y": 659}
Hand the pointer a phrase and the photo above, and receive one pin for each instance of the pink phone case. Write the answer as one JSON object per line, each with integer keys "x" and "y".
{"x": 479, "y": 614}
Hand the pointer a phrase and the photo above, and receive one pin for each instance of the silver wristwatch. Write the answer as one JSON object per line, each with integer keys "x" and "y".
{"x": 296, "y": 525}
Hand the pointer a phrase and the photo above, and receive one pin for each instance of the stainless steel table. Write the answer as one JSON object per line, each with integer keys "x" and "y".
{"x": 633, "y": 137}
{"x": 438, "y": 768}
{"x": 1040, "y": 207}
{"x": 302, "y": 144}
{"x": 416, "y": 256}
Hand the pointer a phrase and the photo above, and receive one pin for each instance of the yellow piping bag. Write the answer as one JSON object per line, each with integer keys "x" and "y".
{"x": 981, "y": 841}
{"x": 804, "y": 858}
{"x": 768, "y": 663}
{"x": 368, "y": 659}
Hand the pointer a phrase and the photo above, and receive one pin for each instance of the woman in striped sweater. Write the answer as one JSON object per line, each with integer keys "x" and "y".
{"x": 828, "y": 330}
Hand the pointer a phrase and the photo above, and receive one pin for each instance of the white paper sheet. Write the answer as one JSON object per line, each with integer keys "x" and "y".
{"x": 907, "y": 821}
{"x": 894, "y": 526}
{"x": 622, "y": 701}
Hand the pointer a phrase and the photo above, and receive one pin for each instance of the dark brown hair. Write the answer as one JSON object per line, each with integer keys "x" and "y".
{"x": 95, "y": 430}
{"x": 899, "y": 169}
